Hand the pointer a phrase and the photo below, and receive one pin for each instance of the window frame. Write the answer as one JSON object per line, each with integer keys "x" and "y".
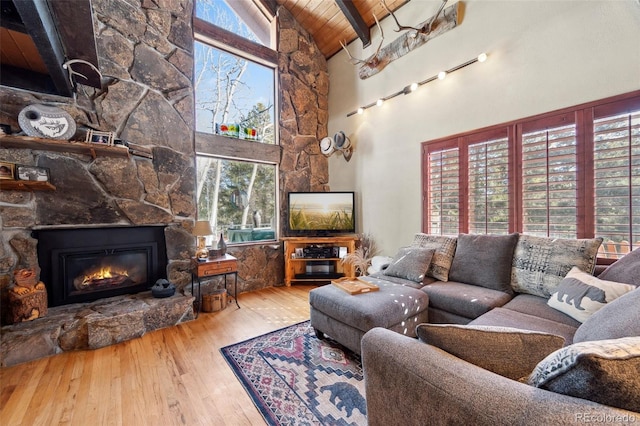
{"x": 582, "y": 115}
{"x": 235, "y": 149}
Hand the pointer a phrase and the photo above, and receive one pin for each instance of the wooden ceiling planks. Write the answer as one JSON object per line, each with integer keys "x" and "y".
{"x": 328, "y": 26}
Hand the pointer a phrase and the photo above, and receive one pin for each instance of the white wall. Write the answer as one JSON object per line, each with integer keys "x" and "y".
{"x": 543, "y": 55}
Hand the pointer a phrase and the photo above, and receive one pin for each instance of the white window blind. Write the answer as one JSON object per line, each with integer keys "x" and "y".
{"x": 488, "y": 198}
{"x": 616, "y": 157}
{"x": 549, "y": 182}
{"x": 444, "y": 192}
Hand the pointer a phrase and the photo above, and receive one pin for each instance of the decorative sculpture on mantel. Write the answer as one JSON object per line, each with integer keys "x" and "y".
{"x": 444, "y": 20}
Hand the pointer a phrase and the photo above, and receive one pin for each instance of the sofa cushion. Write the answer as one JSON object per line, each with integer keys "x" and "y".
{"x": 466, "y": 300}
{"x": 537, "y": 306}
{"x": 539, "y": 264}
{"x": 580, "y": 295}
{"x": 620, "y": 318}
{"x": 484, "y": 260}
{"x": 445, "y": 248}
{"x": 604, "y": 371}
{"x": 510, "y": 352}
{"x": 624, "y": 270}
{"x": 410, "y": 263}
{"x": 507, "y": 318}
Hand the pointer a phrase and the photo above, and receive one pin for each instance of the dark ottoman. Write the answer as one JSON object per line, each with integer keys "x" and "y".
{"x": 346, "y": 318}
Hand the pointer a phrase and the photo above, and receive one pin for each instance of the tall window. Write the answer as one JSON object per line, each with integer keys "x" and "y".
{"x": 549, "y": 182}
{"x": 568, "y": 174}
{"x": 234, "y": 82}
{"x": 488, "y": 199}
{"x": 444, "y": 191}
{"x": 616, "y": 159}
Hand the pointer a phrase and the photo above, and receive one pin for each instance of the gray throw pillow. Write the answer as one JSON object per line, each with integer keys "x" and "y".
{"x": 620, "y": 318}
{"x": 604, "y": 371}
{"x": 624, "y": 270}
{"x": 411, "y": 263}
{"x": 484, "y": 260}
{"x": 539, "y": 263}
{"x": 445, "y": 248}
{"x": 509, "y": 352}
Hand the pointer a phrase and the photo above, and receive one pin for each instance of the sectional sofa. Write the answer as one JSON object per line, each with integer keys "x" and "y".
{"x": 519, "y": 331}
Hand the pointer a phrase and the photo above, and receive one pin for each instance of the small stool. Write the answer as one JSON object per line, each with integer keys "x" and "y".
{"x": 346, "y": 318}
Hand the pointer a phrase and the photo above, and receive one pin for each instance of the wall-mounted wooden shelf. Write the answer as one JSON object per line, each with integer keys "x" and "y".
{"x": 92, "y": 149}
{"x": 26, "y": 185}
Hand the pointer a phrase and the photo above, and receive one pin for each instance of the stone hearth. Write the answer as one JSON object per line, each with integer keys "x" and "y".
{"x": 91, "y": 325}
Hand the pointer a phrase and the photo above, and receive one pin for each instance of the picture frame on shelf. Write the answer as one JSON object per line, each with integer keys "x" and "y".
{"x": 32, "y": 173}
{"x": 7, "y": 170}
{"x": 105, "y": 138}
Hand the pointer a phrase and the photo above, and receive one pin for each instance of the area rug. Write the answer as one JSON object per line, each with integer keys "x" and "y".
{"x": 294, "y": 378}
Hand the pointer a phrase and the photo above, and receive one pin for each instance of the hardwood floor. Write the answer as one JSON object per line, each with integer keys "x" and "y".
{"x": 174, "y": 376}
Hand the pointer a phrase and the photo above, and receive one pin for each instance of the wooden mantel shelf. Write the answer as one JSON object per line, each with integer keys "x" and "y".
{"x": 26, "y": 185}
{"x": 93, "y": 149}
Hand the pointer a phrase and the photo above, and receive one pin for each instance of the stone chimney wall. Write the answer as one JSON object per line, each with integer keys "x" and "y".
{"x": 304, "y": 110}
{"x": 145, "y": 54}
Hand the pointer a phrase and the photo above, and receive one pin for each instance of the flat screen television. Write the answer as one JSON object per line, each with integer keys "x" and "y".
{"x": 321, "y": 213}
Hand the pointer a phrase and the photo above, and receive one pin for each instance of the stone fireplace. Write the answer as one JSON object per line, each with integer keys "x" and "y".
{"x": 146, "y": 50}
{"x": 87, "y": 264}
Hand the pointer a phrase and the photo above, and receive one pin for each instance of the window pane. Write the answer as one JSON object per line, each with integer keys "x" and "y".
{"x": 444, "y": 192}
{"x": 240, "y": 17}
{"x": 617, "y": 183}
{"x": 233, "y": 96}
{"x": 238, "y": 198}
{"x": 488, "y": 187}
{"x": 549, "y": 182}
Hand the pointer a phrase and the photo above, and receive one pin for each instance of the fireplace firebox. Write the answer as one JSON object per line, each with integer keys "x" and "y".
{"x": 86, "y": 264}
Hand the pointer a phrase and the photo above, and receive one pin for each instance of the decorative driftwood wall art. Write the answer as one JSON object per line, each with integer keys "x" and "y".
{"x": 410, "y": 40}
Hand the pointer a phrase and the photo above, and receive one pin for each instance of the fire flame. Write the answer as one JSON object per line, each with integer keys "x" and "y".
{"x": 103, "y": 273}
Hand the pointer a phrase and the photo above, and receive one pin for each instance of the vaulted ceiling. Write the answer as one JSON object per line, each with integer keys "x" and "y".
{"x": 328, "y": 21}
{"x": 332, "y": 21}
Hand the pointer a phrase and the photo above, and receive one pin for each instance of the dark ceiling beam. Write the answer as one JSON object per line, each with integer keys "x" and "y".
{"x": 75, "y": 27}
{"x": 270, "y": 6}
{"x": 355, "y": 19}
{"x": 38, "y": 20}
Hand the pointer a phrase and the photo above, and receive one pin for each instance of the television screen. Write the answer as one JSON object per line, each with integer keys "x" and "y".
{"x": 321, "y": 213}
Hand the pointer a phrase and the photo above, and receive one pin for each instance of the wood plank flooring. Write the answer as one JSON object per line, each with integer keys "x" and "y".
{"x": 174, "y": 376}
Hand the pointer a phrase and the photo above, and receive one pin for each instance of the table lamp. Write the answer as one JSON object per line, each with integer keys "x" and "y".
{"x": 201, "y": 229}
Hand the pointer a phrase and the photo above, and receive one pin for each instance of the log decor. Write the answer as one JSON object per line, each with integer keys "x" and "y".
{"x": 27, "y": 298}
{"x": 410, "y": 41}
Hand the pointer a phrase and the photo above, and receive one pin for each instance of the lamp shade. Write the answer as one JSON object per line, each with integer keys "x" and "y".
{"x": 202, "y": 228}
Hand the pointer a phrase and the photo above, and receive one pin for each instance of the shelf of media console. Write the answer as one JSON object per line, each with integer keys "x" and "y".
{"x": 315, "y": 259}
{"x": 318, "y": 276}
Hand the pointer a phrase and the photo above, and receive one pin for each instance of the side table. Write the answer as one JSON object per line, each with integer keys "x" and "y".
{"x": 212, "y": 267}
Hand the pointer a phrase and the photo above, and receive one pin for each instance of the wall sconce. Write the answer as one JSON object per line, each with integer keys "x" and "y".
{"x": 201, "y": 229}
{"x": 338, "y": 143}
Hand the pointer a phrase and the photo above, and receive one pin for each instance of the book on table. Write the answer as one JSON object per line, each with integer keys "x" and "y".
{"x": 354, "y": 285}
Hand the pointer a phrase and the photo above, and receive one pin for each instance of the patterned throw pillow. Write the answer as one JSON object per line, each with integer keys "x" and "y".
{"x": 445, "y": 249}
{"x": 603, "y": 371}
{"x": 540, "y": 264}
{"x": 580, "y": 295}
{"x": 411, "y": 263}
